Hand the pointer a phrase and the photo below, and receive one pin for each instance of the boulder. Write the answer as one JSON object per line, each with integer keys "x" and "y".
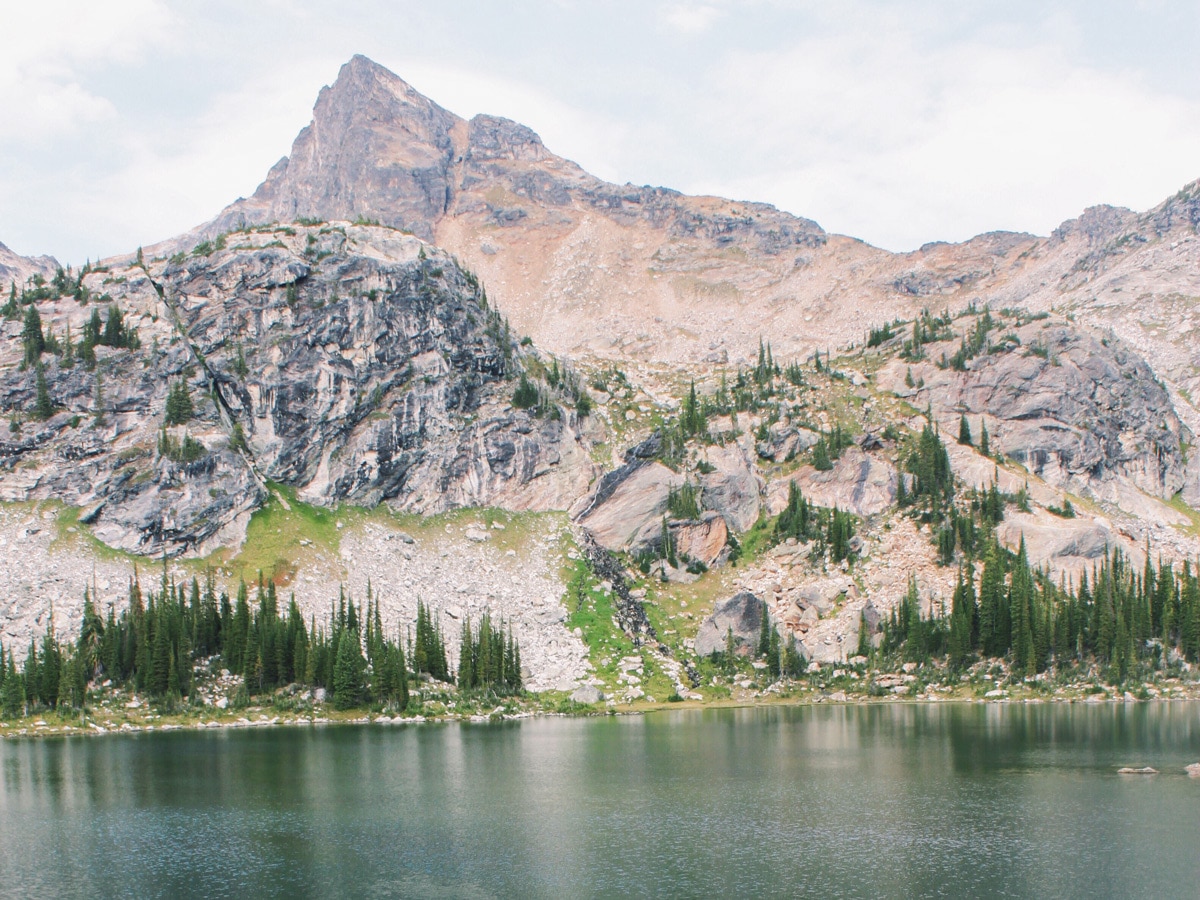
{"x": 587, "y": 693}
{"x": 743, "y": 614}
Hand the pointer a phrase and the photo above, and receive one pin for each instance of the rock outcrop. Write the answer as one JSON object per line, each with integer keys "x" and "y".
{"x": 742, "y": 614}
{"x": 1075, "y": 409}
{"x": 627, "y": 507}
{"x": 351, "y": 363}
{"x": 861, "y": 483}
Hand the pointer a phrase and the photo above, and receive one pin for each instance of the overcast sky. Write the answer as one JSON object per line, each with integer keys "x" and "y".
{"x": 127, "y": 121}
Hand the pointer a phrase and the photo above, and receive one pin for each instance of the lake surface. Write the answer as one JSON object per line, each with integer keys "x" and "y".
{"x": 896, "y": 800}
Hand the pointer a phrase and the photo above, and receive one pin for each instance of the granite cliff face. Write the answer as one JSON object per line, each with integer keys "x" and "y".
{"x": 354, "y": 364}
{"x": 1079, "y": 412}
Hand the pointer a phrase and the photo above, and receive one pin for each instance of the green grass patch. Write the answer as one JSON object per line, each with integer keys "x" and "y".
{"x": 273, "y": 537}
{"x": 1176, "y": 503}
{"x": 591, "y": 611}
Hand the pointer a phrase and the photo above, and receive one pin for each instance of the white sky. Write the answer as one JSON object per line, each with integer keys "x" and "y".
{"x": 127, "y": 121}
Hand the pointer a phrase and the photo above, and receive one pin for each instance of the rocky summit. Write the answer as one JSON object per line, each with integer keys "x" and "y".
{"x": 431, "y": 362}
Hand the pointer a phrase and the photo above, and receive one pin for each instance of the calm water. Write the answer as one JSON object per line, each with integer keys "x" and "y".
{"x": 894, "y": 801}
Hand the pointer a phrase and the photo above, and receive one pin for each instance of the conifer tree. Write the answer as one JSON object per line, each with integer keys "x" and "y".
{"x": 964, "y": 432}
{"x": 179, "y": 404}
{"x": 991, "y": 596}
{"x": 348, "y": 672}
{"x": 68, "y": 355}
{"x": 32, "y": 339}
{"x": 1021, "y": 611}
{"x": 12, "y": 695}
{"x": 774, "y": 663}
{"x": 821, "y": 460}
{"x": 43, "y": 407}
{"x": 793, "y": 663}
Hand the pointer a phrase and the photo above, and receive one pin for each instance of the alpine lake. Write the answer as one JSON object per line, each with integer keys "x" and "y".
{"x": 874, "y": 800}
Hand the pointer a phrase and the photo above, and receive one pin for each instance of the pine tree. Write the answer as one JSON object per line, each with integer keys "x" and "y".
{"x": 466, "y": 662}
{"x": 1021, "y": 607}
{"x": 68, "y": 355}
{"x": 161, "y": 659}
{"x": 774, "y": 663}
{"x": 179, "y": 404}
{"x": 992, "y": 638}
{"x": 43, "y": 408}
{"x": 728, "y": 660}
{"x": 984, "y": 446}
{"x": 793, "y": 663}
{"x": 821, "y": 460}
{"x": 964, "y": 432}
{"x": 348, "y": 672}
{"x": 32, "y": 339}
{"x": 12, "y": 695}
{"x": 864, "y": 637}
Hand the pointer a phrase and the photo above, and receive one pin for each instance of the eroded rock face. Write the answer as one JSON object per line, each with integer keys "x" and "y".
{"x": 741, "y": 613}
{"x": 734, "y": 489}
{"x": 356, "y": 364}
{"x": 1074, "y": 409}
{"x": 702, "y": 539}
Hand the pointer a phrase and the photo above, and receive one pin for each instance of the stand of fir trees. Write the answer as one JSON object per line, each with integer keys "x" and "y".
{"x": 826, "y": 528}
{"x": 1125, "y": 622}
{"x": 157, "y": 643}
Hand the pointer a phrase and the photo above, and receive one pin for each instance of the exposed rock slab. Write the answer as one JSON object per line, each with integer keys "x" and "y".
{"x": 628, "y": 504}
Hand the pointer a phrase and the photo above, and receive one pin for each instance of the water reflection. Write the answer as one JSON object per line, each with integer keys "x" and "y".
{"x": 882, "y": 800}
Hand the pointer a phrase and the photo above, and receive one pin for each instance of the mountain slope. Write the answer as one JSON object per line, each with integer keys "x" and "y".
{"x": 16, "y": 269}
{"x": 591, "y": 268}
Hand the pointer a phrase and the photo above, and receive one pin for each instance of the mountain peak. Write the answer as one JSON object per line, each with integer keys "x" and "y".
{"x": 376, "y": 148}
{"x": 361, "y": 76}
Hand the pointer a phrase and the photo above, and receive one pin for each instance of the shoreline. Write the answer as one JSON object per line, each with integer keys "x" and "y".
{"x": 40, "y": 728}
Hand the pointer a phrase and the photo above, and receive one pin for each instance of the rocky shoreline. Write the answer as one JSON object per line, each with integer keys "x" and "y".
{"x": 515, "y": 710}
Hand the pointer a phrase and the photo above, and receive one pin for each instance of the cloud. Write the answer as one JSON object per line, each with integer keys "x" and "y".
{"x": 129, "y": 121}
{"x": 690, "y": 18}
{"x": 42, "y": 95}
{"x": 879, "y": 135}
